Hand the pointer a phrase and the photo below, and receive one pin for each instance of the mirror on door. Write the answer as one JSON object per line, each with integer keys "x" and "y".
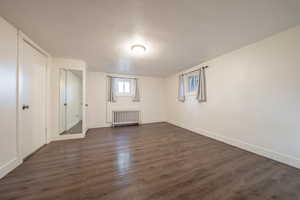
{"x": 70, "y": 101}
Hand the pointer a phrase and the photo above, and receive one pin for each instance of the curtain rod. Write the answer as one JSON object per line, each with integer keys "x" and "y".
{"x": 120, "y": 77}
{"x": 195, "y": 70}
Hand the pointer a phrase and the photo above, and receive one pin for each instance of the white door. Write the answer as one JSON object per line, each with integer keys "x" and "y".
{"x": 62, "y": 100}
{"x": 32, "y": 86}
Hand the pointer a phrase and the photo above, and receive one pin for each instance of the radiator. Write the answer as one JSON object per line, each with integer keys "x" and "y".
{"x": 125, "y": 117}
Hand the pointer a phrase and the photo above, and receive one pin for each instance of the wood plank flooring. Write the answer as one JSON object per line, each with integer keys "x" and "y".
{"x": 150, "y": 162}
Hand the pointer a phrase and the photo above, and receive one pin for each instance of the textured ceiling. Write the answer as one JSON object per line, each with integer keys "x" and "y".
{"x": 178, "y": 33}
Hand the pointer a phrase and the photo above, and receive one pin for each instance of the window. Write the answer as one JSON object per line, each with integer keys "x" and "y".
{"x": 123, "y": 87}
{"x": 192, "y": 85}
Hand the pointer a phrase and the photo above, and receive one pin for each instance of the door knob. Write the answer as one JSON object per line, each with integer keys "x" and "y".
{"x": 24, "y": 107}
{"x": 65, "y": 104}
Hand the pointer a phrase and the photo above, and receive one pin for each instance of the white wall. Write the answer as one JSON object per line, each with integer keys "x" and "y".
{"x": 151, "y": 105}
{"x": 96, "y": 99}
{"x": 253, "y": 99}
{"x": 8, "y": 97}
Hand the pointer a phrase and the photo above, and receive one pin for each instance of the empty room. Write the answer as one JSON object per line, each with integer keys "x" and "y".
{"x": 150, "y": 100}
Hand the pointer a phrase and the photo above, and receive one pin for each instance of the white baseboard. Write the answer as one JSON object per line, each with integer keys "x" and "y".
{"x": 9, "y": 166}
{"x": 109, "y": 124}
{"x": 280, "y": 157}
{"x": 152, "y": 122}
{"x": 68, "y": 137}
{"x": 100, "y": 125}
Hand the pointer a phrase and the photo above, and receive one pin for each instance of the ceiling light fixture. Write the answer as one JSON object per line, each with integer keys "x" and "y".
{"x": 138, "y": 49}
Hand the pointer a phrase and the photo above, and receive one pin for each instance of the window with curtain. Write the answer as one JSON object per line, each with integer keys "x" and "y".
{"x": 192, "y": 83}
{"x": 124, "y": 87}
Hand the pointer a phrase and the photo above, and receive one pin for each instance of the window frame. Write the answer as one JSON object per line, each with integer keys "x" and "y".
{"x": 124, "y": 94}
{"x": 194, "y": 76}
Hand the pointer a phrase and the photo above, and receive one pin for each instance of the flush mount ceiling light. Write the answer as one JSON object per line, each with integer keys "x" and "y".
{"x": 138, "y": 49}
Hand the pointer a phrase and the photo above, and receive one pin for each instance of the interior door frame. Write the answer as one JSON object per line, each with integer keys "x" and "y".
{"x": 21, "y": 39}
{"x": 84, "y": 129}
{"x": 65, "y": 98}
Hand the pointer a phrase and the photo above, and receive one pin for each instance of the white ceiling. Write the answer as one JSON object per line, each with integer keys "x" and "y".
{"x": 178, "y": 33}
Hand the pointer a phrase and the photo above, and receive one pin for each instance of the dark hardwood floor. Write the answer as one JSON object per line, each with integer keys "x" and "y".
{"x": 155, "y": 161}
